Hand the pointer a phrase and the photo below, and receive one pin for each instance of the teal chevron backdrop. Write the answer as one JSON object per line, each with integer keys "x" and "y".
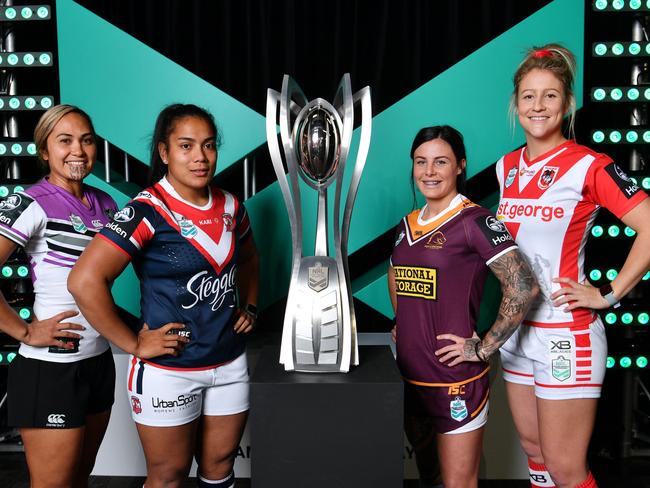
{"x": 123, "y": 85}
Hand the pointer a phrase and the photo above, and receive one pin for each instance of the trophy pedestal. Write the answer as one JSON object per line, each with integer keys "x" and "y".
{"x": 311, "y": 430}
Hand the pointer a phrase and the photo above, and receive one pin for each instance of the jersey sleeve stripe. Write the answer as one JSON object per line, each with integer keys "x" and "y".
{"x": 115, "y": 245}
{"x": 494, "y": 258}
{"x": 56, "y": 263}
{"x": 13, "y": 235}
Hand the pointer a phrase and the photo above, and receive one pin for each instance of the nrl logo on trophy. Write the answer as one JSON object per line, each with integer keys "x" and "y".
{"x": 319, "y": 332}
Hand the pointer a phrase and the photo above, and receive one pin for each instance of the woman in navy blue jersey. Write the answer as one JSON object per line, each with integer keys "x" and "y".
{"x": 192, "y": 248}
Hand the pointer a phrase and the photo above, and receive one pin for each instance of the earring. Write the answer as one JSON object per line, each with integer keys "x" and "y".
{"x": 164, "y": 161}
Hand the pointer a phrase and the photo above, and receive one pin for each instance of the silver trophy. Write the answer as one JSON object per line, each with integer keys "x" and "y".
{"x": 319, "y": 332}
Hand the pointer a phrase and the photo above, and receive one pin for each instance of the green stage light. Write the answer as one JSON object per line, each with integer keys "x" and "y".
{"x": 600, "y": 49}
{"x": 597, "y": 231}
{"x": 618, "y": 4}
{"x": 16, "y": 149}
{"x": 600, "y": 4}
{"x": 611, "y": 274}
{"x": 595, "y": 275}
{"x": 645, "y": 183}
{"x": 613, "y": 230}
{"x": 641, "y": 362}
{"x": 43, "y": 12}
{"x": 631, "y": 136}
{"x": 599, "y": 94}
{"x": 611, "y": 318}
{"x": 20, "y": 102}
{"x": 611, "y": 362}
{"x": 30, "y": 103}
{"x": 46, "y": 102}
{"x": 45, "y": 59}
{"x": 7, "y": 271}
{"x": 18, "y": 188}
{"x": 634, "y": 48}
{"x": 634, "y": 180}
{"x": 643, "y": 318}
{"x": 629, "y": 231}
{"x": 14, "y": 103}
{"x": 627, "y": 318}
{"x": 647, "y": 49}
{"x": 22, "y": 271}
{"x": 625, "y": 362}
{"x": 635, "y": 4}
{"x": 10, "y": 13}
{"x": 616, "y": 94}
{"x": 3, "y": 149}
{"x": 28, "y": 59}
{"x": 24, "y": 313}
{"x": 26, "y": 13}
{"x": 633, "y": 93}
{"x": 11, "y": 356}
{"x": 18, "y": 59}
{"x": 598, "y": 136}
{"x": 646, "y": 276}
{"x": 646, "y": 136}
{"x": 4, "y": 191}
{"x": 618, "y": 48}
{"x": 615, "y": 136}
{"x": 12, "y": 59}
{"x": 31, "y": 148}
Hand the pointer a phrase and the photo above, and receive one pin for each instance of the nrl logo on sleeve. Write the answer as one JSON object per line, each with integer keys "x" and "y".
{"x": 399, "y": 238}
{"x": 11, "y": 202}
{"x": 622, "y": 180}
{"x": 547, "y": 177}
{"x": 125, "y": 215}
{"x": 318, "y": 277}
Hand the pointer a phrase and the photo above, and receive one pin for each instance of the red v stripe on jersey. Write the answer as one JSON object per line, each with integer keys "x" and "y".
{"x": 218, "y": 252}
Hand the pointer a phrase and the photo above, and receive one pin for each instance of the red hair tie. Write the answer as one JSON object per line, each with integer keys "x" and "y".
{"x": 542, "y": 53}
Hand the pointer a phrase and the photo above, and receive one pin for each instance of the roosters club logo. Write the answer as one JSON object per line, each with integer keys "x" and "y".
{"x": 228, "y": 221}
{"x": 136, "y": 405}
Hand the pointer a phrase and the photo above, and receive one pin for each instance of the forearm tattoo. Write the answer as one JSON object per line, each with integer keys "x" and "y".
{"x": 519, "y": 288}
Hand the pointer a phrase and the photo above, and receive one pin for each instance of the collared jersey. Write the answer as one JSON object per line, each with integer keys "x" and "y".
{"x": 185, "y": 257}
{"x": 440, "y": 267}
{"x": 549, "y": 205}
{"x": 54, "y": 227}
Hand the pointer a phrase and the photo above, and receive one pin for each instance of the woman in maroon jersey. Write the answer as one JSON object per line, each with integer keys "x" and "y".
{"x": 551, "y": 191}
{"x": 438, "y": 268}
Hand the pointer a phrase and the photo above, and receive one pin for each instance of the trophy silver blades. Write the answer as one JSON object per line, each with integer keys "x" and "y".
{"x": 319, "y": 330}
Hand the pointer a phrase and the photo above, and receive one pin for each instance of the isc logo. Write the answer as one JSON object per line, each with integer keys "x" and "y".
{"x": 456, "y": 390}
{"x": 56, "y": 418}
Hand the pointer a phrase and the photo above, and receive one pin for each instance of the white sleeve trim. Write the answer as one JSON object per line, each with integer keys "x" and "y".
{"x": 494, "y": 258}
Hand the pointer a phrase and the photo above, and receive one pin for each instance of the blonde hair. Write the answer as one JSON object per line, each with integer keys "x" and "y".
{"x": 558, "y": 60}
{"x": 48, "y": 121}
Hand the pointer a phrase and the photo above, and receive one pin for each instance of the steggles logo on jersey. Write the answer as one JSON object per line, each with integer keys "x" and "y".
{"x": 228, "y": 221}
{"x": 125, "y": 215}
{"x": 412, "y": 281}
{"x": 188, "y": 229}
{"x": 78, "y": 224}
{"x": 511, "y": 176}
{"x": 547, "y": 177}
{"x": 399, "y": 238}
{"x": 211, "y": 289}
{"x": 436, "y": 240}
{"x": 11, "y": 202}
{"x": 526, "y": 172}
{"x": 622, "y": 180}
{"x": 561, "y": 368}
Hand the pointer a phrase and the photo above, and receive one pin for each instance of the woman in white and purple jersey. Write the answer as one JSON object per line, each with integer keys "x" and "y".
{"x": 60, "y": 388}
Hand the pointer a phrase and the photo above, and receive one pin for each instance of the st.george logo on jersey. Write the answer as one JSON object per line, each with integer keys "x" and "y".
{"x": 547, "y": 176}
{"x": 77, "y": 223}
{"x": 458, "y": 409}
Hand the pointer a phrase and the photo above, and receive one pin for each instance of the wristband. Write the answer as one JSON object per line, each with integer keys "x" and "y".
{"x": 476, "y": 347}
{"x": 251, "y": 310}
{"x": 608, "y": 294}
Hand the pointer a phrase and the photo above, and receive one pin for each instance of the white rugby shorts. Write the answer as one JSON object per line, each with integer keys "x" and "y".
{"x": 166, "y": 397}
{"x": 561, "y": 363}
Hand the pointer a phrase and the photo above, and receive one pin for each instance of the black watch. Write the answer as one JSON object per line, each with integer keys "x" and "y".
{"x": 608, "y": 294}
{"x": 251, "y": 310}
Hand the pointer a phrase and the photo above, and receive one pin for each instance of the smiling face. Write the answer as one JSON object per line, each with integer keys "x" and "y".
{"x": 435, "y": 170}
{"x": 541, "y": 105}
{"x": 191, "y": 157}
{"x": 70, "y": 151}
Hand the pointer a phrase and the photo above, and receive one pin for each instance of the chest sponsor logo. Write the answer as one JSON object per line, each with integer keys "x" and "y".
{"x": 55, "y": 420}
{"x": 458, "y": 409}
{"x": 204, "y": 287}
{"x": 228, "y": 221}
{"x": 622, "y": 180}
{"x": 11, "y": 202}
{"x": 456, "y": 390}
{"x": 125, "y": 215}
{"x": 317, "y": 277}
{"x": 526, "y": 172}
{"x": 545, "y": 213}
{"x": 399, "y": 238}
{"x": 136, "y": 405}
{"x": 494, "y": 230}
{"x": 188, "y": 229}
{"x": 561, "y": 368}
{"x": 78, "y": 224}
{"x": 511, "y": 176}
{"x": 436, "y": 241}
{"x": 547, "y": 177}
{"x": 418, "y": 282}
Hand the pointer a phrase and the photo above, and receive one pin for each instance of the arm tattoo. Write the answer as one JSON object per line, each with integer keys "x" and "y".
{"x": 519, "y": 288}
{"x": 469, "y": 349}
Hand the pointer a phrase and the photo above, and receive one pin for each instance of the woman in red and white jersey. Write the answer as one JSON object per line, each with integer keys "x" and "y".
{"x": 551, "y": 191}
